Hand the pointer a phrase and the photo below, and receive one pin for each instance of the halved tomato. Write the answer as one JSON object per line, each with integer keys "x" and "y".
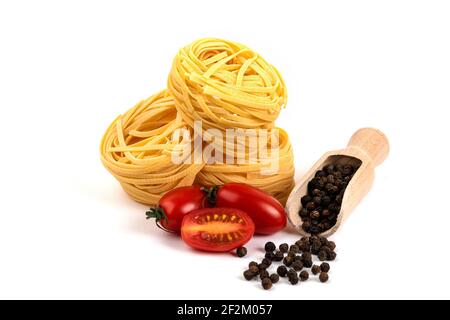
{"x": 217, "y": 229}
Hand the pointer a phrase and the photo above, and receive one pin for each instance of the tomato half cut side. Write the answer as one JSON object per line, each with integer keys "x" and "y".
{"x": 217, "y": 229}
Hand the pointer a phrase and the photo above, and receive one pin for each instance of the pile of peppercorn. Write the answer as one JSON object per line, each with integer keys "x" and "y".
{"x": 322, "y": 204}
{"x": 295, "y": 260}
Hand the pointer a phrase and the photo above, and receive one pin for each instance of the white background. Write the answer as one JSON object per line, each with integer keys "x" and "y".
{"x": 68, "y": 68}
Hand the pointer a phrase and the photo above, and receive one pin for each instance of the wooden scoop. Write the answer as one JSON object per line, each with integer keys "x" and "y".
{"x": 368, "y": 148}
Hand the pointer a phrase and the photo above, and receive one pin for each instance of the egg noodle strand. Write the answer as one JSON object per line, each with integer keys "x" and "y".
{"x": 225, "y": 85}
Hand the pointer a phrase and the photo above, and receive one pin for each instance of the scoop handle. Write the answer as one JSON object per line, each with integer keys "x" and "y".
{"x": 372, "y": 142}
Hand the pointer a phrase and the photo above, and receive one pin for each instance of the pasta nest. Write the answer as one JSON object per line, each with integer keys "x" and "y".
{"x": 226, "y": 85}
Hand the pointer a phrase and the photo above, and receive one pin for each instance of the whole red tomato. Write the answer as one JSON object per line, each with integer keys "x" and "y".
{"x": 217, "y": 229}
{"x": 175, "y": 204}
{"x": 266, "y": 212}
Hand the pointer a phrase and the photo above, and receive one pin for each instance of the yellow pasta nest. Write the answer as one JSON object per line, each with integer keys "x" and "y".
{"x": 137, "y": 150}
{"x": 226, "y": 85}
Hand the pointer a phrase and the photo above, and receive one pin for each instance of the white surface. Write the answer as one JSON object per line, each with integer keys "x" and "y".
{"x": 67, "y": 69}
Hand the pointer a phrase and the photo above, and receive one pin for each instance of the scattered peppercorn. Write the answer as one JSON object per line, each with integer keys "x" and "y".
{"x": 322, "y": 255}
{"x": 323, "y": 277}
{"x": 282, "y": 271}
{"x": 263, "y": 274}
{"x": 262, "y": 266}
{"x": 254, "y": 270}
{"x": 248, "y": 275}
{"x": 292, "y": 273}
{"x": 293, "y": 280}
{"x": 267, "y": 262}
{"x": 269, "y": 255}
{"x": 331, "y": 245}
{"x": 332, "y": 256}
{"x": 325, "y": 267}
{"x": 284, "y": 247}
{"x": 315, "y": 269}
{"x": 274, "y": 278}
{"x": 278, "y": 256}
{"x": 287, "y": 261}
{"x": 304, "y": 275}
{"x": 270, "y": 247}
{"x": 298, "y": 257}
{"x": 241, "y": 252}
{"x": 266, "y": 283}
{"x": 297, "y": 265}
{"x": 294, "y": 248}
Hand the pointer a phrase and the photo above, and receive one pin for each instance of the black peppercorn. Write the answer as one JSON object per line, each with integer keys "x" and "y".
{"x": 292, "y": 273}
{"x": 254, "y": 270}
{"x": 270, "y": 247}
{"x": 331, "y": 256}
{"x": 278, "y": 256}
{"x": 310, "y": 206}
{"x": 325, "y": 267}
{"x": 267, "y": 262}
{"x": 306, "y": 226}
{"x": 326, "y": 200}
{"x": 320, "y": 173}
{"x": 294, "y": 248}
{"x": 323, "y": 277}
{"x": 347, "y": 170}
{"x": 307, "y": 263}
{"x": 284, "y": 247}
{"x": 266, "y": 283}
{"x": 329, "y": 169}
{"x": 293, "y": 280}
{"x": 241, "y": 252}
{"x": 287, "y": 261}
{"x": 315, "y": 229}
{"x": 297, "y": 265}
{"x": 322, "y": 255}
{"x": 274, "y": 278}
{"x": 331, "y": 245}
{"x": 314, "y": 214}
{"x": 305, "y": 247}
{"x": 282, "y": 271}
{"x": 338, "y": 199}
{"x": 262, "y": 266}
{"x": 248, "y": 275}
{"x": 306, "y": 256}
{"x": 263, "y": 274}
{"x": 253, "y": 263}
{"x": 305, "y": 199}
{"x": 315, "y": 247}
{"x": 269, "y": 255}
{"x": 331, "y": 179}
{"x": 315, "y": 269}
{"x": 304, "y": 213}
{"x": 298, "y": 258}
{"x": 291, "y": 254}
{"x": 304, "y": 275}
{"x": 316, "y": 193}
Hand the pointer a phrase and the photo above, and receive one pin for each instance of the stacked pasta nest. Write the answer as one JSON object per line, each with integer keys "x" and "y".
{"x": 221, "y": 86}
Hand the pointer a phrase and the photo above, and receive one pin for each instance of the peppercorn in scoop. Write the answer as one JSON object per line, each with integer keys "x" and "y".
{"x": 322, "y": 204}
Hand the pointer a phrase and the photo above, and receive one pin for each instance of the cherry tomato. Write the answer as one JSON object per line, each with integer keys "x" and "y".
{"x": 266, "y": 212}
{"x": 217, "y": 229}
{"x": 175, "y": 204}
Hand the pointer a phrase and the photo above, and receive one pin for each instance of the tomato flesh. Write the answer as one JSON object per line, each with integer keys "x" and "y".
{"x": 217, "y": 229}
